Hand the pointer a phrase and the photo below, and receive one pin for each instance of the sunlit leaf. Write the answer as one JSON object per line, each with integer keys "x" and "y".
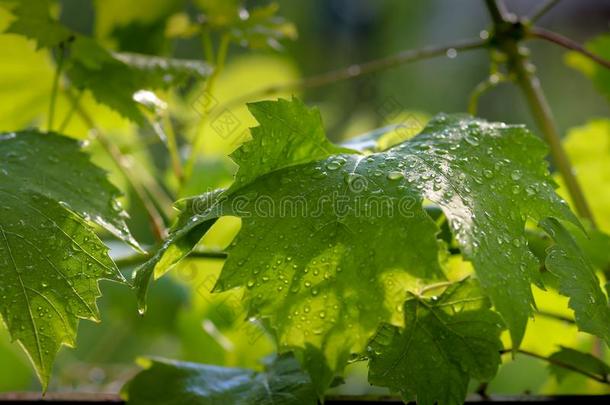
{"x": 50, "y": 258}
{"x": 446, "y": 341}
{"x": 600, "y": 75}
{"x": 327, "y": 296}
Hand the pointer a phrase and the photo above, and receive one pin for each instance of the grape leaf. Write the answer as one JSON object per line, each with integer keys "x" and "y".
{"x": 445, "y": 341}
{"x": 367, "y": 234}
{"x": 159, "y": 72}
{"x": 112, "y": 79}
{"x": 600, "y": 75}
{"x": 578, "y": 281}
{"x": 50, "y": 259}
{"x": 579, "y": 361}
{"x": 256, "y": 28}
{"x": 281, "y": 383}
{"x": 32, "y": 20}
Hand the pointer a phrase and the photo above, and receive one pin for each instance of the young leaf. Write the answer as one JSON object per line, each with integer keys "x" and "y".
{"x": 445, "y": 342}
{"x": 32, "y": 20}
{"x": 281, "y": 383}
{"x": 367, "y": 232}
{"x": 598, "y": 74}
{"x": 256, "y": 28}
{"x": 112, "y": 79}
{"x": 578, "y": 281}
{"x": 579, "y": 361}
{"x": 50, "y": 259}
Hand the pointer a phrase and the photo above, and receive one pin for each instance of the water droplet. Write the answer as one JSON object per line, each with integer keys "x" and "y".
{"x": 395, "y": 176}
{"x": 472, "y": 139}
{"x": 333, "y": 165}
{"x": 516, "y": 175}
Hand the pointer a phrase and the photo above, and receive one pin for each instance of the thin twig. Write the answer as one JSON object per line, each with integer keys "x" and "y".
{"x": 481, "y": 88}
{"x": 542, "y": 10}
{"x": 134, "y": 260}
{"x": 55, "y": 87}
{"x": 523, "y": 70}
{"x": 70, "y": 114}
{"x": 358, "y": 70}
{"x": 555, "y": 316}
{"x": 155, "y": 219}
{"x": 559, "y": 364}
{"x": 558, "y": 39}
{"x": 172, "y": 146}
{"x": 223, "y": 49}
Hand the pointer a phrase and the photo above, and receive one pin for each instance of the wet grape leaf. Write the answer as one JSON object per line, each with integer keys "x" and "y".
{"x": 159, "y": 72}
{"x": 330, "y": 240}
{"x": 113, "y": 79}
{"x": 50, "y": 258}
{"x": 579, "y": 361}
{"x": 577, "y": 280}
{"x": 257, "y": 28}
{"x": 446, "y": 341}
{"x": 281, "y": 383}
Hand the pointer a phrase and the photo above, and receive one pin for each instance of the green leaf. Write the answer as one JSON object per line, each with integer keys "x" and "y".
{"x": 578, "y": 281}
{"x": 289, "y": 134}
{"x": 576, "y": 360}
{"x": 281, "y": 383}
{"x": 113, "y": 79}
{"x": 588, "y": 148}
{"x": 161, "y": 73}
{"x": 32, "y": 20}
{"x": 256, "y": 28}
{"x": 600, "y": 75}
{"x": 446, "y": 341}
{"x": 367, "y": 235}
{"x": 50, "y": 259}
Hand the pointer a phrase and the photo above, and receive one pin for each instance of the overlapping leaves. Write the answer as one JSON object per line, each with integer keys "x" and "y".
{"x": 113, "y": 79}
{"x": 332, "y": 238}
{"x": 445, "y": 341}
{"x": 50, "y": 258}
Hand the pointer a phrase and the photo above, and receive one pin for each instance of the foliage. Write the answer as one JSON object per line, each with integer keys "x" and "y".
{"x": 445, "y": 341}
{"x": 600, "y": 76}
{"x": 282, "y": 382}
{"x": 408, "y": 252}
{"x": 51, "y": 258}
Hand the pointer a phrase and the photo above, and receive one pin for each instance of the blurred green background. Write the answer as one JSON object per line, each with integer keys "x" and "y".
{"x": 184, "y": 320}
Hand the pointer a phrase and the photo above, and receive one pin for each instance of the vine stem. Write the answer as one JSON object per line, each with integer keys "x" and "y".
{"x": 55, "y": 87}
{"x": 558, "y": 363}
{"x": 529, "y": 83}
{"x": 558, "y": 39}
{"x": 172, "y": 146}
{"x": 136, "y": 259}
{"x": 358, "y": 70}
{"x": 546, "y": 7}
{"x": 223, "y": 49}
